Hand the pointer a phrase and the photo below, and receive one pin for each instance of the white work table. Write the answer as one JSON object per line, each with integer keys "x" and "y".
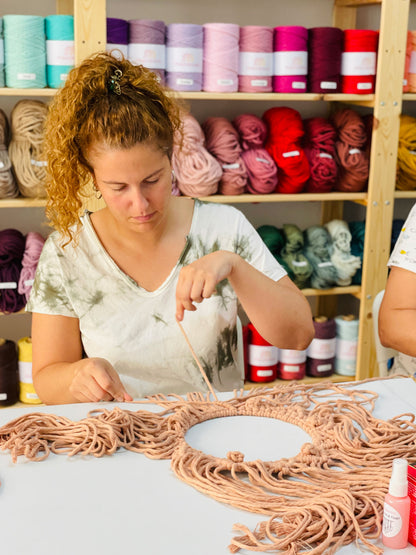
{"x": 129, "y": 504}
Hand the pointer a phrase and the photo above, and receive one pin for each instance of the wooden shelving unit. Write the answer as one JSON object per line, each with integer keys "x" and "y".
{"x": 386, "y": 104}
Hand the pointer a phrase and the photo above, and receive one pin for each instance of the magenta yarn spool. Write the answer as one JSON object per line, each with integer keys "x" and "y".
{"x": 184, "y": 43}
{"x": 290, "y": 59}
{"x": 324, "y": 59}
{"x": 220, "y": 57}
{"x": 255, "y": 68}
{"x": 320, "y": 360}
{"x": 147, "y": 44}
{"x": 9, "y": 373}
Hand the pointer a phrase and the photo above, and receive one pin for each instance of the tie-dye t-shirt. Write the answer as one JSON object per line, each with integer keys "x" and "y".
{"x": 135, "y": 329}
{"x": 404, "y": 252}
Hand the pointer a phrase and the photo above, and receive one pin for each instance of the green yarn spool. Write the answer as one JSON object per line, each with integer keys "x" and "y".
{"x": 292, "y": 254}
{"x": 357, "y": 230}
{"x": 274, "y": 240}
{"x": 2, "y": 80}
{"x": 318, "y": 252}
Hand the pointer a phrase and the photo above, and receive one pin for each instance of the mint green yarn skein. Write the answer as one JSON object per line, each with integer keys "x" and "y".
{"x": 2, "y": 81}
{"x": 59, "y": 48}
{"x": 25, "y": 51}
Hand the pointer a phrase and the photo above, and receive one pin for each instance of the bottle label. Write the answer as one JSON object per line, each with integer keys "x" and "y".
{"x": 392, "y": 521}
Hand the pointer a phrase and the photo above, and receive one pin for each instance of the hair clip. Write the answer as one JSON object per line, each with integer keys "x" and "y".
{"x": 114, "y": 84}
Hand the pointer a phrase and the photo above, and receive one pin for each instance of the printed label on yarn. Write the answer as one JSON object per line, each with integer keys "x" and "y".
{"x": 264, "y": 373}
{"x": 325, "y": 155}
{"x": 183, "y": 81}
{"x": 290, "y": 63}
{"x": 324, "y": 367}
{"x": 152, "y": 56}
{"x": 354, "y": 151}
{"x": 325, "y": 264}
{"x": 298, "y": 85}
{"x": 322, "y": 348}
{"x": 258, "y": 83}
{"x": 234, "y": 166}
{"x": 60, "y": 53}
{"x": 412, "y": 63}
{"x": 38, "y": 163}
{"x": 25, "y": 372}
{"x": 392, "y": 521}
{"x": 8, "y": 285}
{"x": 262, "y": 355}
{"x": 290, "y": 356}
{"x": 346, "y": 349}
{"x": 263, "y": 160}
{"x": 299, "y": 263}
{"x": 114, "y": 47}
{"x": 183, "y": 60}
{"x": 358, "y": 63}
{"x": 1, "y": 165}
{"x": 364, "y": 86}
{"x": 331, "y": 85}
{"x": 3, "y": 396}
{"x": 225, "y": 82}
{"x": 256, "y": 63}
{"x": 63, "y": 76}
{"x": 26, "y": 76}
{"x": 291, "y": 153}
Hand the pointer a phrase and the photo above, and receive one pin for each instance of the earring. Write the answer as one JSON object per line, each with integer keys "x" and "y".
{"x": 173, "y": 177}
{"x": 97, "y": 193}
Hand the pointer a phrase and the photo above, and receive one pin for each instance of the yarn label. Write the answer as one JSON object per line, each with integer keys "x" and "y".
{"x": 412, "y": 63}
{"x": 264, "y": 373}
{"x": 291, "y": 356}
{"x": 346, "y": 349}
{"x": 26, "y": 76}
{"x": 291, "y": 154}
{"x": 113, "y": 48}
{"x": 258, "y": 83}
{"x": 330, "y": 85}
{"x": 322, "y": 348}
{"x": 358, "y": 63}
{"x": 1, "y": 51}
{"x": 60, "y": 53}
{"x": 392, "y": 521}
{"x": 256, "y": 63}
{"x": 325, "y": 264}
{"x": 290, "y": 63}
{"x": 183, "y": 81}
{"x": 325, "y": 155}
{"x": 149, "y": 55}
{"x": 364, "y": 86}
{"x": 25, "y": 372}
{"x": 225, "y": 82}
{"x": 183, "y": 60}
{"x": 3, "y": 396}
{"x": 262, "y": 355}
{"x": 299, "y": 85}
{"x": 8, "y": 285}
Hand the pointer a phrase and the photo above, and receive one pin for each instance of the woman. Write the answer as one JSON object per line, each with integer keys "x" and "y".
{"x": 111, "y": 285}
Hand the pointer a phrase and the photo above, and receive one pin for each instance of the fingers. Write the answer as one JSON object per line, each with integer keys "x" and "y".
{"x": 193, "y": 287}
{"x": 96, "y": 380}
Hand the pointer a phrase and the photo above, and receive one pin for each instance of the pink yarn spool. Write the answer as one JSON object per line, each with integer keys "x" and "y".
{"x": 220, "y": 57}
{"x": 290, "y": 59}
{"x": 256, "y": 59}
{"x": 261, "y": 171}
{"x": 33, "y": 248}
{"x": 291, "y": 365}
{"x": 147, "y": 44}
{"x": 252, "y": 131}
{"x": 184, "y": 43}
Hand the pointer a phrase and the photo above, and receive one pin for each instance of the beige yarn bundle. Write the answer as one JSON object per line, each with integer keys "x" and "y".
{"x": 330, "y": 494}
{"x": 25, "y": 150}
{"x": 8, "y": 186}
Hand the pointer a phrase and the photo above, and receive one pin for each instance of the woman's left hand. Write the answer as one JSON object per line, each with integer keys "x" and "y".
{"x": 198, "y": 280}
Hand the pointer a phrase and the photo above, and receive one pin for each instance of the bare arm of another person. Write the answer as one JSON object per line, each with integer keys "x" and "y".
{"x": 277, "y": 309}
{"x": 397, "y": 316}
{"x": 60, "y": 374}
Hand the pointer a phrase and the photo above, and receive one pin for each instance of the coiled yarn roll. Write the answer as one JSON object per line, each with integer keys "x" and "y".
{"x": 321, "y": 351}
{"x": 261, "y": 171}
{"x": 25, "y": 150}
{"x": 352, "y": 156}
{"x": 33, "y": 247}
{"x": 292, "y": 254}
{"x": 345, "y": 263}
{"x": 284, "y": 145}
{"x": 346, "y": 345}
{"x": 274, "y": 239}
{"x": 2, "y": 80}
{"x": 357, "y": 230}
{"x": 252, "y": 131}
{"x": 406, "y": 159}
{"x": 197, "y": 171}
{"x": 8, "y": 185}
{"x": 9, "y": 373}
{"x": 12, "y": 245}
{"x": 222, "y": 141}
{"x": 318, "y": 252}
{"x": 320, "y": 136}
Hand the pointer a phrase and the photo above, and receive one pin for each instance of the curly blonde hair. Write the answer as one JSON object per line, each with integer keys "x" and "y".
{"x": 87, "y": 110}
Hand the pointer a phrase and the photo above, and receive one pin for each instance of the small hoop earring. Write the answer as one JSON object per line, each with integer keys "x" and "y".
{"x": 173, "y": 177}
{"x": 97, "y": 193}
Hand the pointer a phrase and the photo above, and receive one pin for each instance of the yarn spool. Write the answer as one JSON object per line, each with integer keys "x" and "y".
{"x": 318, "y": 252}
{"x": 147, "y": 45}
{"x": 320, "y": 360}
{"x": 320, "y": 136}
{"x": 291, "y": 365}
{"x": 357, "y": 230}
{"x": 324, "y": 59}
{"x": 2, "y": 79}
{"x": 255, "y": 69}
{"x": 25, "y": 51}
{"x": 290, "y": 59}
{"x": 9, "y": 373}
{"x": 12, "y": 245}
{"x": 117, "y": 36}
{"x": 8, "y": 185}
{"x": 408, "y": 56}
{"x": 220, "y": 57}
{"x": 184, "y": 42}
{"x": 27, "y": 391}
{"x": 358, "y": 66}
{"x": 345, "y": 263}
{"x": 262, "y": 357}
{"x": 346, "y": 344}
{"x": 25, "y": 150}
{"x": 60, "y": 57}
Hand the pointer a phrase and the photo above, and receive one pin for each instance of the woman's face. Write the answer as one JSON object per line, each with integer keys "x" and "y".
{"x": 135, "y": 183}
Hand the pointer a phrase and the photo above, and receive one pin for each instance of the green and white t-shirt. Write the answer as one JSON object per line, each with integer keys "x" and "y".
{"x": 135, "y": 329}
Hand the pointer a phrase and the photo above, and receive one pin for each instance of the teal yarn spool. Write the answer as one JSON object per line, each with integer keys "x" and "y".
{"x": 357, "y": 230}
{"x": 25, "y": 51}
{"x": 274, "y": 240}
{"x": 2, "y": 81}
{"x": 60, "y": 57}
{"x": 346, "y": 345}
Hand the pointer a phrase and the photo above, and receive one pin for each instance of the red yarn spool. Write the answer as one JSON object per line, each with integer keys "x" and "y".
{"x": 359, "y": 57}
{"x": 292, "y": 364}
{"x": 262, "y": 357}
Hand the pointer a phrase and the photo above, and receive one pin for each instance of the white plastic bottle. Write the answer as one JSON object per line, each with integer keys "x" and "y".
{"x": 397, "y": 508}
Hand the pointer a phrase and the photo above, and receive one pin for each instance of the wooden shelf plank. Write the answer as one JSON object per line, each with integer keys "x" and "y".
{"x": 335, "y": 378}
{"x": 349, "y": 290}
{"x": 356, "y": 3}
{"x": 358, "y": 99}
{"x": 409, "y": 96}
{"x": 404, "y": 194}
{"x": 21, "y": 202}
{"x": 7, "y": 91}
{"x": 202, "y": 95}
{"x": 298, "y": 197}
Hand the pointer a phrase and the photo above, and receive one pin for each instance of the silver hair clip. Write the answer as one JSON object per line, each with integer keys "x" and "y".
{"x": 114, "y": 84}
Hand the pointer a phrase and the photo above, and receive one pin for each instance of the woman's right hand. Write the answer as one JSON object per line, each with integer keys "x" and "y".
{"x": 94, "y": 379}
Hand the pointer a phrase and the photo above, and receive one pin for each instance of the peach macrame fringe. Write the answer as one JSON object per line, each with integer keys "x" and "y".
{"x": 330, "y": 494}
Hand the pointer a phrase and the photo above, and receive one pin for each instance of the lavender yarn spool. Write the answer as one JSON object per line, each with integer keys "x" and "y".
{"x": 184, "y": 43}
{"x": 9, "y": 373}
{"x": 147, "y": 45}
{"x": 320, "y": 360}
{"x": 117, "y": 36}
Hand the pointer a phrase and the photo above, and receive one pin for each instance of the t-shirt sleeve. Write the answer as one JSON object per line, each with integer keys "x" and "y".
{"x": 252, "y": 248}
{"x": 404, "y": 251}
{"x": 48, "y": 295}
